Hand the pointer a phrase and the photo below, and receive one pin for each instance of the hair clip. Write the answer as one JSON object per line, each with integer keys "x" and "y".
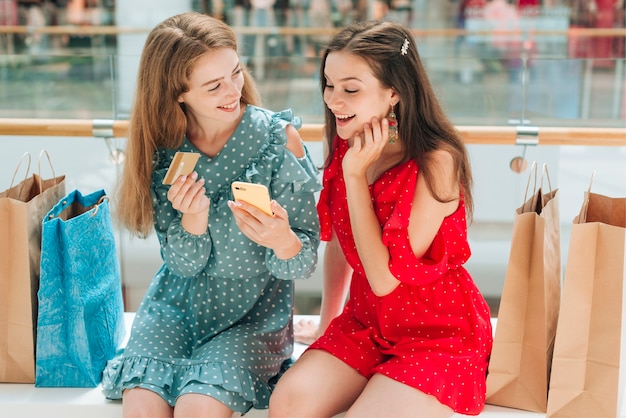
{"x": 405, "y": 47}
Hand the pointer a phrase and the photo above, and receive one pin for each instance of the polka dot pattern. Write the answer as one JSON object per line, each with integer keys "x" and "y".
{"x": 217, "y": 316}
{"x": 433, "y": 332}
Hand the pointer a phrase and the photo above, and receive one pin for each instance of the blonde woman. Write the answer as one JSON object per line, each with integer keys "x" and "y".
{"x": 215, "y": 327}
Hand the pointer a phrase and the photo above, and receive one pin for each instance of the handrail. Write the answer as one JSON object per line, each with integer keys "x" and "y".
{"x": 287, "y": 30}
{"x": 484, "y": 135}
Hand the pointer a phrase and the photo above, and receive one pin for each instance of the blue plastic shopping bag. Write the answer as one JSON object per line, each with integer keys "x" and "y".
{"x": 81, "y": 312}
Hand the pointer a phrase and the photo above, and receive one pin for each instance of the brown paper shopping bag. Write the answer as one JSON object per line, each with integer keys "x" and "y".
{"x": 588, "y": 368}
{"x": 519, "y": 367}
{"x": 22, "y": 208}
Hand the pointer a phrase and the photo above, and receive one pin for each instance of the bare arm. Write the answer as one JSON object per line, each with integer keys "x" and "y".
{"x": 366, "y": 230}
{"x": 368, "y": 238}
{"x": 337, "y": 273}
{"x": 294, "y": 141}
{"x": 427, "y": 213}
{"x": 336, "y": 283}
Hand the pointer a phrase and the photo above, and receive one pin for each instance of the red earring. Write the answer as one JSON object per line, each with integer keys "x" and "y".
{"x": 393, "y": 126}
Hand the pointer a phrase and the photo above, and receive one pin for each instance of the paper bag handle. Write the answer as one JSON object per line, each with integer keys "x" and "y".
{"x": 533, "y": 170}
{"x": 41, "y": 153}
{"x": 19, "y": 164}
{"x": 544, "y": 171}
{"x": 582, "y": 215}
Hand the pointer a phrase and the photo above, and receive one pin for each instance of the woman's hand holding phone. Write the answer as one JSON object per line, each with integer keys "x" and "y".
{"x": 263, "y": 221}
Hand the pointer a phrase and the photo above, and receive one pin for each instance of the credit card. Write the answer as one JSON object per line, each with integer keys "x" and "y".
{"x": 182, "y": 164}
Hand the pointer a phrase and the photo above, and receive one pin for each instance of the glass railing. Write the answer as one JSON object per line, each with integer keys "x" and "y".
{"x": 476, "y": 88}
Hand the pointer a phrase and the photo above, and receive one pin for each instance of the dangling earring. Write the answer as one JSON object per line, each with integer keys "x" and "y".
{"x": 393, "y": 126}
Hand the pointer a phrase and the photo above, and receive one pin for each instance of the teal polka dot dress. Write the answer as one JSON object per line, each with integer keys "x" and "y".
{"x": 217, "y": 316}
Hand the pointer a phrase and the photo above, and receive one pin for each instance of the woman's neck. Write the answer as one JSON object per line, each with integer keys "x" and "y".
{"x": 210, "y": 136}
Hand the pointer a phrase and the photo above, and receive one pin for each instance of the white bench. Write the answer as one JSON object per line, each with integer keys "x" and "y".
{"x": 27, "y": 401}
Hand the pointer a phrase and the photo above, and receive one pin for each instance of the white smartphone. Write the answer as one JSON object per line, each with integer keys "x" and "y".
{"x": 253, "y": 193}
{"x": 182, "y": 164}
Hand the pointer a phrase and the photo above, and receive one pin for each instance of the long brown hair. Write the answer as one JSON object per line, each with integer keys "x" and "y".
{"x": 390, "y": 51}
{"x": 157, "y": 119}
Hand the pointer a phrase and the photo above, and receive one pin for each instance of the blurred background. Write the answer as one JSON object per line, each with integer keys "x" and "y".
{"x": 530, "y": 65}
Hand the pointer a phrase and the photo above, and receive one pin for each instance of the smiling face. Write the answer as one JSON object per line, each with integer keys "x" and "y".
{"x": 353, "y": 94}
{"x": 215, "y": 85}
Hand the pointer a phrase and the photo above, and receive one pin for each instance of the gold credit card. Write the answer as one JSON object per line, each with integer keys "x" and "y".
{"x": 182, "y": 164}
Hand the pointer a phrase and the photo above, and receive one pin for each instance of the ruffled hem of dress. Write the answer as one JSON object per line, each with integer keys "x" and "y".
{"x": 130, "y": 372}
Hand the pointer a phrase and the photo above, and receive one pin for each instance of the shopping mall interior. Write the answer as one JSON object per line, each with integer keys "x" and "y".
{"x": 536, "y": 89}
{"x": 553, "y": 71}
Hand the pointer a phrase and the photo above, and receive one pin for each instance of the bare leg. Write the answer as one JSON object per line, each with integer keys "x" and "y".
{"x": 195, "y": 405}
{"x": 385, "y": 397}
{"x": 317, "y": 385}
{"x": 143, "y": 403}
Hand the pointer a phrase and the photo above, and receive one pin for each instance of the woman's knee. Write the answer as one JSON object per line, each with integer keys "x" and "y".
{"x": 316, "y": 375}
{"x": 294, "y": 388}
{"x": 143, "y": 403}
{"x": 288, "y": 391}
{"x": 199, "y": 405}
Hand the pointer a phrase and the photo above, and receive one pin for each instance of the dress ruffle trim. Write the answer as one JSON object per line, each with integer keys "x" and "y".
{"x": 299, "y": 267}
{"x": 434, "y": 263}
{"x": 130, "y": 372}
{"x": 395, "y": 231}
{"x": 265, "y": 165}
{"x": 182, "y": 243}
{"x": 268, "y": 163}
{"x": 323, "y": 207}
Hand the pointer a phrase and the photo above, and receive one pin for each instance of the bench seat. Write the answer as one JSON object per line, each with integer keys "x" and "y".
{"x": 27, "y": 401}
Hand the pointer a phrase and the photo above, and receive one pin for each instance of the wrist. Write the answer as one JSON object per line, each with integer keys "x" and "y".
{"x": 354, "y": 177}
{"x": 291, "y": 248}
{"x": 195, "y": 223}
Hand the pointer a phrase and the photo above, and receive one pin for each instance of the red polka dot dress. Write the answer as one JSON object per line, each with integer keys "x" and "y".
{"x": 433, "y": 332}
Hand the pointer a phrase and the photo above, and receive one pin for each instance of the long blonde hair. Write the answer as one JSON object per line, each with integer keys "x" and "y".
{"x": 157, "y": 119}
